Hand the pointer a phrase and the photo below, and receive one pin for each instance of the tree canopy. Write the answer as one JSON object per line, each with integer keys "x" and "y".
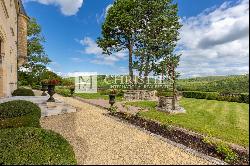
{"x": 35, "y": 69}
{"x": 148, "y": 29}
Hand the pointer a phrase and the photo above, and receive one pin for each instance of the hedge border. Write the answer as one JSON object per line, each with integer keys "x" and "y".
{"x": 239, "y": 98}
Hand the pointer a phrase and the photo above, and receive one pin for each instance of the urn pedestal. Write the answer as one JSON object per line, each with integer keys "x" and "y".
{"x": 111, "y": 99}
{"x": 51, "y": 92}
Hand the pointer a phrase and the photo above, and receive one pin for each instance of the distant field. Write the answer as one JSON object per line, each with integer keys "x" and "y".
{"x": 230, "y": 84}
{"x": 225, "y": 120}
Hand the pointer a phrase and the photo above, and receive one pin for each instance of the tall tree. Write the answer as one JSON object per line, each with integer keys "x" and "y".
{"x": 119, "y": 30}
{"x": 160, "y": 26}
{"x": 159, "y": 23}
{"x": 32, "y": 71}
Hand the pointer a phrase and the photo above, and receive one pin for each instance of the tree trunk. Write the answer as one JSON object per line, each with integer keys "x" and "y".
{"x": 174, "y": 95}
{"x": 141, "y": 68}
{"x": 131, "y": 74}
{"x": 162, "y": 74}
{"x": 146, "y": 73}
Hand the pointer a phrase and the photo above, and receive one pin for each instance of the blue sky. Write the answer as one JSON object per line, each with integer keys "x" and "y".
{"x": 212, "y": 42}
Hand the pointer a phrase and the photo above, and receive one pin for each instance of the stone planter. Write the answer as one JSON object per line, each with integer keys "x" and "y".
{"x": 112, "y": 99}
{"x": 51, "y": 92}
{"x": 165, "y": 105}
{"x": 165, "y": 102}
{"x": 44, "y": 89}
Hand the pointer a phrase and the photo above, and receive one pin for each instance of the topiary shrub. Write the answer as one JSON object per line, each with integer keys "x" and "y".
{"x": 34, "y": 146}
{"x": 19, "y": 113}
{"x": 23, "y": 92}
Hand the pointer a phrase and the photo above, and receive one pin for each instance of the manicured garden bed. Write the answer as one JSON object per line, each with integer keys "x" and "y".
{"x": 227, "y": 121}
{"x": 34, "y": 146}
{"x": 189, "y": 139}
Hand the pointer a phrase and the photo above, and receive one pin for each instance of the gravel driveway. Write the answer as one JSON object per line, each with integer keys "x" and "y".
{"x": 99, "y": 139}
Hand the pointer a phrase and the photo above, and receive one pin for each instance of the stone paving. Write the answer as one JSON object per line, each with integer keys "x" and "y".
{"x": 47, "y": 109}
{"x": 100, "y": 139}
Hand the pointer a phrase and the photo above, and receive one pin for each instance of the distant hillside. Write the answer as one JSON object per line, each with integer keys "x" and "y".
{"x": 232, "y": 84}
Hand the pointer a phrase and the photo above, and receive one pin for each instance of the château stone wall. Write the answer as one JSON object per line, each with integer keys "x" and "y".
{"x": 10, "y": 15}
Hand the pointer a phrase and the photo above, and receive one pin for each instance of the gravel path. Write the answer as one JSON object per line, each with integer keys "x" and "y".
{"x": 99, "y": 139}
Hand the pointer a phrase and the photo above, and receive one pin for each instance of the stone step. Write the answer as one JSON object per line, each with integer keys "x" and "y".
{"x": 47, "y": 109}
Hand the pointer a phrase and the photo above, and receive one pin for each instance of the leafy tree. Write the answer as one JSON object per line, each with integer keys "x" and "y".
{"x": 119, "y": 30}
{"x": 31, "y": 72}
{"x": 159, "y": 24}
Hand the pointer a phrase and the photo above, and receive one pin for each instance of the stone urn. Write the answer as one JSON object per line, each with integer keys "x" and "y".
{"x": 44, "y": 89}
{"x": 51, "y": 92}
{"x": 112, "y": 99}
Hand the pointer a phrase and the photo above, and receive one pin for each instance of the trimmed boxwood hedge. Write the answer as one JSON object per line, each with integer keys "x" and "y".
{"x": 19, "y": 113}
{"x": 34, "y": 146}
{"x": 240, "y": 98}
{"x": 23, "y": 92}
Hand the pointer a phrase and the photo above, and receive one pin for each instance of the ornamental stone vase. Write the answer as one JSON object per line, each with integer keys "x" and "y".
{"x": 51, "y": 92}
{"x": 44, "y": 88}
{"x": 112, "y": 99}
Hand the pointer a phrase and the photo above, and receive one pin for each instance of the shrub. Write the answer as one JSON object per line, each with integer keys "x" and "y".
{"x": 240, "y": 98}
{"x": 64, "y": 92}
{"x": 105, "y": 92}
{"x": 227, "y": 153}
{"x": 37, "y": 87}
{"x": 19, "y": 113}
{"x": 119, "y": 93}
{"x": 23, "y": 92}
{"x": 34, "y": 146}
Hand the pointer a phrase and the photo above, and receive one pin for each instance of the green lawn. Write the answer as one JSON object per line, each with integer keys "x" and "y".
{"x": 95, "y": 96}
{"x": 225, "y": 120}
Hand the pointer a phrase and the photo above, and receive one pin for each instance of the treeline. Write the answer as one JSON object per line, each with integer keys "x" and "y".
{"x": 221, "y": 84}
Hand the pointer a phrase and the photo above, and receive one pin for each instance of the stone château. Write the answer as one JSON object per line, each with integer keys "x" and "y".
{"x": 13, "y": 43}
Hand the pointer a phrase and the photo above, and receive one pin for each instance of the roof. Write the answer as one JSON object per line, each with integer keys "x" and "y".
{"x": 21, "y": 9}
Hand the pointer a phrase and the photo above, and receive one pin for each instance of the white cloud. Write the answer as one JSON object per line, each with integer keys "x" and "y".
{"x": 101, "y": 17}
{"x": 216, "y": 42}
{"x": 91, "y": 48}
{"x": 67, "y": 7}
{"x": 107, "y": 9}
